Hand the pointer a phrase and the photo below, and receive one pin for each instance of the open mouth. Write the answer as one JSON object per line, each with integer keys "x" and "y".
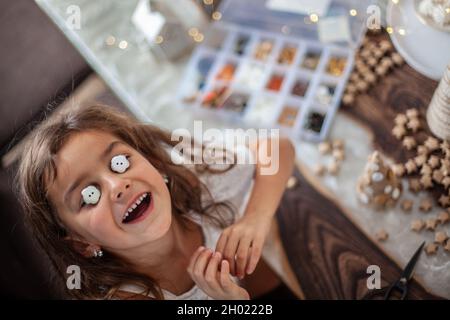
{"x": 138, "y": 209}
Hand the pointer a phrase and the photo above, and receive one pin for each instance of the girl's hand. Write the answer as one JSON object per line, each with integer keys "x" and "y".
{"x": 241, "y": 244}
{"x": 204, "y": 270}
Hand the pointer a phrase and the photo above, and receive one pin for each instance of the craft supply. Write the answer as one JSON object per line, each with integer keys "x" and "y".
{"x": 120, "y": 163}
{"x": 91, "y": 195}
{"x": 398, "y": 169}
{"x": 338, "y": 144}
{"x": 412, "y": 113}
{"x": 288, "y": 116}
{"x": 378, "y": 186}
{"x": 400, "y": 119}
{"x": 314, "y": 121}
{"x": 445, "y": 147}
{"x": 241, "y": 44}
{"x": 348, "y": 98}
{"x": 414, "y": 124}
{"x": 426, "y": 205}
{"x": 372, "y": 63}
{"x": 410, "y": 166}
{"x": 432, "y": 144}
{"x": 261, "y": 110}
{"x": 324, "y": 147}
{"x": 263, "y": 50}
{"x": 417, "y": 225}
{"x": 292, "y": 182}
{"x": 444, "y": 201}
{"x": 215, "y": 97}
{"x": 420, "y": 160}
{"x": 236, "y": 102}
{"x": 333, "y": 167}
{"x": 381, "y": 235}
{"x": 319, "y": 169}
{"x": 414, "y": 185}
{"x": 447, "y": 245}
{"x": 325, "y": 94}
{"x": 250, "y": 75}
{"x": 399, "y": 131}
{"x": 409, "y": 142}
{"x": 397, "y": 58}
{"x": 271, "y": 59}
{"x": 426, "y": 181}
{"x": 431, "y": 248}
{"x": 311, "y": 60}
{"x": 369, "y": 77}
{"x": 446, "y": 181}
{"x": 438, "y": 176}
{"x": 440, "y": 237}
{"x": 431, "y": 224}
{"x": 226, "y": 73}
{"x": 426, "y": 170}
{"x": 287, "y": 54}
{"x": 275, "y": 82}
{"x": 433, "y": 161}
{"x": 337, "y": 151}
{"x": 336, "y": 66}
{"x": 300, "y": 87}
{"x": 422, "y": 150}
{"x": 339, "y": 154}
{"x": 407, "y": 205}
{"x": 444, "y": 217}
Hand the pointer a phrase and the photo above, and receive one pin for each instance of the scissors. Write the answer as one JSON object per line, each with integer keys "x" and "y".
{"x": 400, "y": 285}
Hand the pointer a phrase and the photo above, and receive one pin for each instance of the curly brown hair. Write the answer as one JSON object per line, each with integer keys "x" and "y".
{"x": 102, "y": 278}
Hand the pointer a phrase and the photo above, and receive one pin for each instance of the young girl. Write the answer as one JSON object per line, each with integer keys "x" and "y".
{"x": 101, "y": 192}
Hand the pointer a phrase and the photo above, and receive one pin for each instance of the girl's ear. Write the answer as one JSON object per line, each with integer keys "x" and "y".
{"x": 87, "y": 250}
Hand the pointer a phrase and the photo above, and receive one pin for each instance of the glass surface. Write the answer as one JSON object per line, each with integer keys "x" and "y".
{"x": 139, "y": 72}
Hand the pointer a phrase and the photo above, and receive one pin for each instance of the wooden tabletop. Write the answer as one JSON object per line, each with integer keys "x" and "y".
{"x": 328, "y": 253}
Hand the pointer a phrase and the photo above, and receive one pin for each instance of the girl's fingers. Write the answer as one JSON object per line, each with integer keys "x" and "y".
{"x": 194, "y": 258}
{"x": 200, "y": 266}
{"x": 221, "y": 243}
{"x": 225, "y": 280}
{"x": 256, "y": 251}
{"x": 242, "y": 256}
{"x": 230, "y": 252}
{"x": 211, "y": 272}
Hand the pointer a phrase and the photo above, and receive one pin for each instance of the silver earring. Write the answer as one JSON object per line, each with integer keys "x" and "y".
{"x": 166, "y": 178}
{"x": 98, "y": 253}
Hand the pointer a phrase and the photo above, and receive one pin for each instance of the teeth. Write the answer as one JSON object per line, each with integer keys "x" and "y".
{"x": 134, "y": 205}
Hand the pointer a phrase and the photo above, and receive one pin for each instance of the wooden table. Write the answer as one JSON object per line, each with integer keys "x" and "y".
{"x": 328, "y": 253}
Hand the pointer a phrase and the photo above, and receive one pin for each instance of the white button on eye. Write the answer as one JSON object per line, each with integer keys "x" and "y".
{"x": 90, "y": 194}
{"x": 119, "y": 163}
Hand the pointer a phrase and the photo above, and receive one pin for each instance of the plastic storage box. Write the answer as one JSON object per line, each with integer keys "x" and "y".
{"x": 262, "y": 67}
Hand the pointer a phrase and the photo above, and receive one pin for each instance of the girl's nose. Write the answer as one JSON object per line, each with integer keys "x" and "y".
{"x": 119, "y": 188}
{"x": 119, "y": 194}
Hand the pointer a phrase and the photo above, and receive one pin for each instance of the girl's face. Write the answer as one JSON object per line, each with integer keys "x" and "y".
{"x": 85, "y": 160}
